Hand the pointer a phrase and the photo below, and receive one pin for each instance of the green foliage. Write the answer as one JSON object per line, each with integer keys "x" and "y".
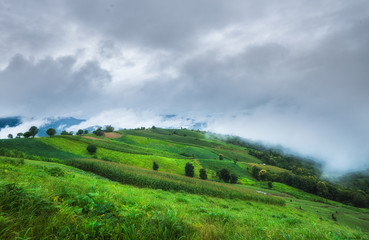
{"x": 159, "y": 180}
{"x": 203, "y": 174}
{"x": 19, "y": 135}
{"x": 33, "y": 131}
{"x": 27, "y": 134}
{"x": 189, "y": 170}
{"x": 270, "y": 184}
{"x": 10, "y": 136}
{"x": 224, "y": 175}
{"x": 221, "y": 157}
{"x": 91, "y": 149}
{"x": 56, "y": 172}
{"x": 51, "y": 132}
{"x": 155, "y": 166}
{"x": 233, "y": 178}
{"x": 109, "y": 128}
{"x": 98, "y": 132}
{"x": 80, "y": 132}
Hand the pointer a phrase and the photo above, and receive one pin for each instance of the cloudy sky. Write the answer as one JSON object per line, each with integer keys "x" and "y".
{"x": 294, "y": 73}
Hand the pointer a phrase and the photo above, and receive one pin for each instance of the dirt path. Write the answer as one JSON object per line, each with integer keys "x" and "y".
{"x": 112, "y": 135}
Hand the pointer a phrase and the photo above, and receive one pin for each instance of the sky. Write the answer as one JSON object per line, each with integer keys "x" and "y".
{"x": 290, "y": 73}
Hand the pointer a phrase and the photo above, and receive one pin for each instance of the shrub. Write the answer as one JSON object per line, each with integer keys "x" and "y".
{"x": 203, "y": 174}
{"x": 270, "y": 184}
{"x": 233, "y": 178}
{"x": 224, "y": 175}
{"x": 91, "y": 149}
{"x": 155, "y": 166}
{"x": 221, "y": 157}
{"x": 98, "y": 132}
{"x": 56, "y": 172}
{"x": 189, "y": 170}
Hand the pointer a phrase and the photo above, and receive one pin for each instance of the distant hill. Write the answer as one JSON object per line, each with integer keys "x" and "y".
{"x": 10, "y": 121}
{"x": 59, "y": 125}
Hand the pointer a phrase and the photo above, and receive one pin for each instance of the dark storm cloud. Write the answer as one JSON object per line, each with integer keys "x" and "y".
{"x": 287, "y": 72}
{"x": 50, "y": 86}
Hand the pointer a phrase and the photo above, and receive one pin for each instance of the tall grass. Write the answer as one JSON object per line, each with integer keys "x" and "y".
{"x": 166, "y": 181}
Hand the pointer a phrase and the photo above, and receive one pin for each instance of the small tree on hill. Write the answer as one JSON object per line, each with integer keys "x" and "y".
{"x": 233, "y": 178}
{"x": 155, "y": 166}
{"x": 80, "y": 132}
{"x": 221, "y": 157}
{"x": 189, "y": 170}
{"x": 91, "y": 149}
{"x": 64, "y": 133}
{"x": 224, "y": 175}
{"x": 51, "y": 132}
{"x": 33, "y": 131}
{"x": 263, "y": 175}
{"x": 10, "y": 136}
{"x": 27, "y": 134}
{"x": 109, "y": 128}
{"x": 98, "y": 132}
{"x": 19, "y": 135}
{"x": 86, "y": 131}
{"x": 203, "y": 174}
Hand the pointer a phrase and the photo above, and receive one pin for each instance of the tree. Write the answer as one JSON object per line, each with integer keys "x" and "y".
{"x": 155, "y": 166}
{"x": 19, "y": 135}
{"x": 51, "y": 132}
{"x": 203, "y": 174}
{"x": 221, "y": 157}
{"x": 27, "y": 134}
{"x": 322, "y": 189}
{"x": 270, "y": 184}
{"x": 233, "y": 178}
{"x": 263, "y": 175}
{"x": 109, "y": 128}
{"x": 64, "y": 133}
{"x": 80, "y": 132}
{"x": 33, "y": 131}
{"x": 91, "y": 149}
{"x": 10, "y": 136}
{"x": 189, "y": 170}
{"x": 86, "y": 131}
{"x": 98, "y": 132}
{"x": 224, "y": 175}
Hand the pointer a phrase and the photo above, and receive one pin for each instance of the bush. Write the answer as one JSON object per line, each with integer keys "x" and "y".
{"x": 224, "y": 175}
{"x": 91, "y": 149}
{"x": 221, "y": 157}
{"x": 233, "y": 178}
{"x": 56, "y": 172}
{"x": 203, "y": 174}
{"x": 270, "y": 184}
{"x": 109, "y": 128}
{"x": 155, "y": 166}
{"x": 98, "y": 132}
{"x": 189, "y": 170}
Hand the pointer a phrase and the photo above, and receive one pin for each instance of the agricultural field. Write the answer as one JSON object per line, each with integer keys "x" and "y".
{"x": 65, "y": 192}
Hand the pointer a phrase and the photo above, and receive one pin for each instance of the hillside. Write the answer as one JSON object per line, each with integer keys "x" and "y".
{"x": 52, "y": 187}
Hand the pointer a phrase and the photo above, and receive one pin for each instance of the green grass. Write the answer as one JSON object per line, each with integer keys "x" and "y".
{"x": 83, "y": 206}
{"x": 158, "y": 180}
{"x": 37, "y": 147}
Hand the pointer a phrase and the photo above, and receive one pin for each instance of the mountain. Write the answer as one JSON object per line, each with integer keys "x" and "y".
{"x": 59, "y": 125}
{"x": 10, "y": 122}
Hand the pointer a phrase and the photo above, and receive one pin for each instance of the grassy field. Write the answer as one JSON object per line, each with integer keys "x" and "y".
{"x": 115, "y": 194}
{"x": 36, "y": 204}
